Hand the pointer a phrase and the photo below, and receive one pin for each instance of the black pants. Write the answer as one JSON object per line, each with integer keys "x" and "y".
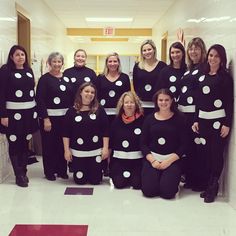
{"x": 52, "y": 148}
{"x": 163, "y": 183}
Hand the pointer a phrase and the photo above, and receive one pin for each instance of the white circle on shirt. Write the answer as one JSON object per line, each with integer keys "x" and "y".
{"x": 12, "y": 137}
{"x": 98, "y": 159}
{"x": 17, "y": 116}
{"x": 78, "y": 118}
{"x": 73, "y": 79}
{"x": 87, "y": 79}
{"x": 112, "y": 93}
{"x": 187, "y": 72}
{"x": 172, "y": 89}
{"x": 216, "y": 125}
{"x": 126, "y": 174}
{"x": 190, "y": 100}
{"x": 125, "y": 143}
{"x": 137, "y": 131}
{"x": 19, "y": 93}
{"x": 35, "y": 115}
{"x": 118, "y": 83}
{"x": 201, "y": 78}
{"x": 56, "y": 100}
{"x": 29, "y": 136}
{"x": 29, "y": 75}
{"x": 218, "y": 103}
{"x": 79, "y": 174}
{"x": 103, "y": 102}
{"x": 194, "y": 72}
{"x": 18, "y": 75}
{"x": 197, "y": 140}
{"x": 203, "y": 141}
{"x": 31, "y": 93}
{"x": 206, "y": 89}
{"x": 184, "y": 89}
{"x": 172, "y": 78}
{"x": 148, "y": 87}
{"x": 66, "y": 79}
{"x": 62, "y": 87}
{"x": 161, "y": 141}
{"x": 93, "y": 116}
{"x": 80, "y": 141}
{"x": 95, "y": 139}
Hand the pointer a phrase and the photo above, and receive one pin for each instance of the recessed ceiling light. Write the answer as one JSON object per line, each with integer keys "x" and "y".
{"x": 108, "y": 19}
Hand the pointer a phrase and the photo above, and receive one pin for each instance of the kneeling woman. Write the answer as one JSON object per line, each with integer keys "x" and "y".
{"x": 86, "y": 136}
{"x": 163, "y": 144}
{"x": 126, "y": 161}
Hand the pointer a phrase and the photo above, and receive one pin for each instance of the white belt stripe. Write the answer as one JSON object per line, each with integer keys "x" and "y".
{"x": 160, "y": 157}
{"x": 20, "y": 105}
{"x": 187, "y": 109}
{"x": 127, "y": 155}
{"x": 110, "y": 111}
{"x": 211, "y": 114}
{"x": 91, "y": 153}
{"x": 57, "y": 112}
{"x": 147, "y": 104}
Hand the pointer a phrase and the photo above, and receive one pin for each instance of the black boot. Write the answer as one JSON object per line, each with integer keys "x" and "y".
{"x": 21, "y": 181}
{"x": 212, "y": 191}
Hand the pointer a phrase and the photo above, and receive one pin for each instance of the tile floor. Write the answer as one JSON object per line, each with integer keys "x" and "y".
{"x": 107, "y": 211}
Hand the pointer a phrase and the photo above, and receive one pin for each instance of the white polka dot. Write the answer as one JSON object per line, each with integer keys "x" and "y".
{"x": 17, "y": 116}
{"x": 29, "y": 75}
{"x": 194, "y": 72}
{"x": 112, "y": 93}
{"x": 126, "y": 174}
{"x": 62, "y": 87}
{"x": 190, "y": 100}
{"x": 29, "y": 136}
{"x": 18, "y": 75}
{"x": 103, "y": 102}
{"x": 78, "y": 118}
{"x": 56, "y": 100}
{"x": 206, "y": 89}
{"x": 35, "y": 115}
{"x": 187, "y": 72}
{"x": 161, "y": 141}
{"x": 98, "y": 159}
{"x": 19, "y": 93}
{"x": 137, "y": 131}
{"x": 79, "y": 174}
{"x": 172, "y": 89}
{"x": 31, "y": 93}
{"x": 73, "y": 79}
{"x": 216, "y": 125}
{"x": 118, "y": 83}
{"x": 66, "y": 79}
{"x": 203, "y": 141}
{"x": 125, "y": 143}
{"x": 148, "y": 87}
{"x": 218, "y": 103}
{"x": 184, "y": 89}
{"x": 197, "y": 140}
{"x": 201, "y": 78}
{"x": 95, "y": 139}
{"x": 80, "y": 141}
{"x": 13, "y": 138}
{"x": 172, "y": 78}
{"x": 87, "y": 79}
{"x": 93, "y": 116}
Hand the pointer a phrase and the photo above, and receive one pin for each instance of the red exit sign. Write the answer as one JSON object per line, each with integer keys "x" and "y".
{"x": 109, "y": 31}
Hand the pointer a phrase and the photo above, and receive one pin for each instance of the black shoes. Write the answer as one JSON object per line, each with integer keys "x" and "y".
{"x": 211, "y": 192}
{"x": 63, "y": 176}
{"x": 51, "y": 177}
{"x": 22, "y": 181}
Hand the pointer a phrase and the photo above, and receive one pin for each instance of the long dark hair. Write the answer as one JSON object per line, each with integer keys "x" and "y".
{"x": 165, "y": 91}
{"x": 78, "y": 99}
{"x": 10, "y": 63}
{"x": 179, "y": 46}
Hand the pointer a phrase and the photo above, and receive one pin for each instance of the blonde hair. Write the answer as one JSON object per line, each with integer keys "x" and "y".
{"x": 142, "y": 59}
{"x": 113, "y": 54}
{"x": 134, "y": 97}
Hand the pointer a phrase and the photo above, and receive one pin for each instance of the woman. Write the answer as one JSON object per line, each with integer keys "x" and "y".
{"x": 126, "y": 162}
{"x": 196, "y": 55}
{"x": 213, "y": 116}
{"x": 171, "y": 75}
{"x": 18, "y": 109}
{"x": 86, "y": 136}
{"x": 111, "y": 85}
{"x": 54, "y": 97}
{"x": 79, "y": 73}
{"x": 163, "y": 143}
{"x": 146, "y": 74}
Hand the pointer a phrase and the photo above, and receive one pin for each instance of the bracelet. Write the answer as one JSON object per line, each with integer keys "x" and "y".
{"x": 153, "y": 161}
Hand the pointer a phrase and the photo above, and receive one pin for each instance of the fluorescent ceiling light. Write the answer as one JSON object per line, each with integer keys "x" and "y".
{"x": 108, "y": 19}
{"x": 7, "y": 19}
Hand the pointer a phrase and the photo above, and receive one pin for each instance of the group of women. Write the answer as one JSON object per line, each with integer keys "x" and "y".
{"x": 175, "y": 121}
